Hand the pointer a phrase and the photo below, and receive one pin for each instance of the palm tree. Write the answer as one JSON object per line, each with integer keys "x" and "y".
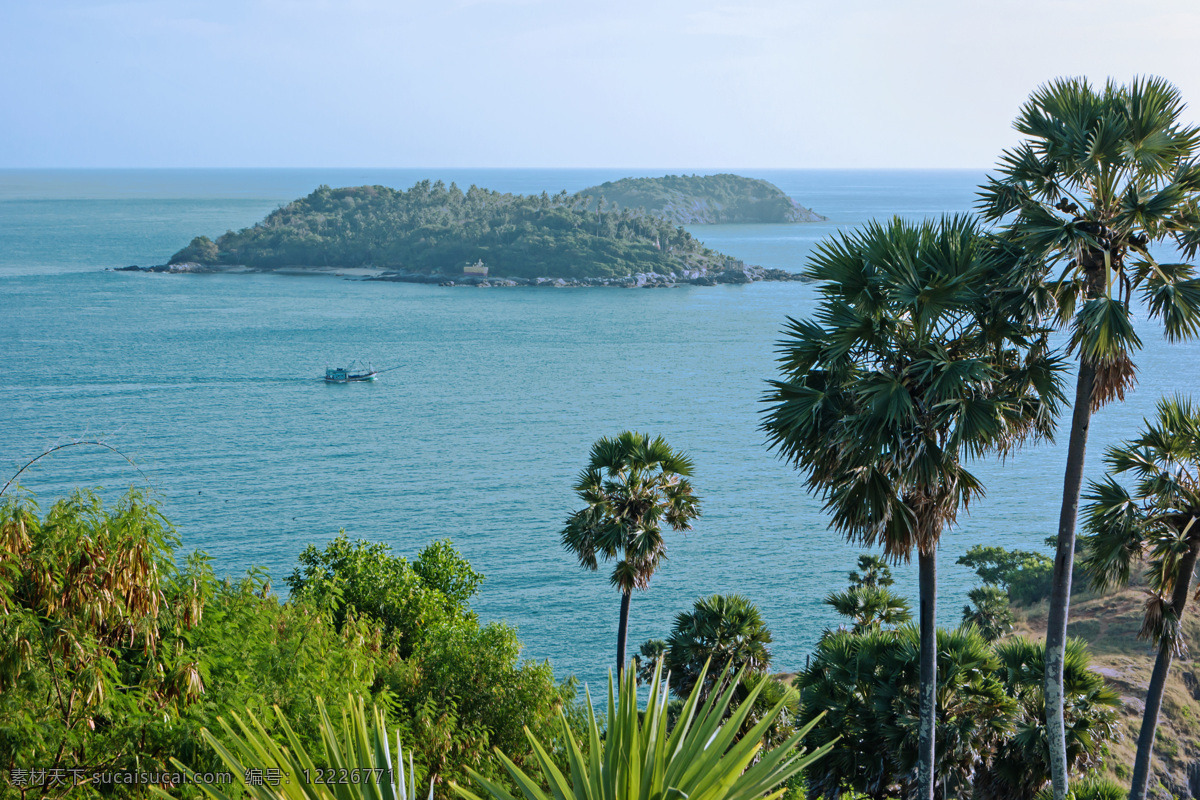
{"x": 1101, "y": 176}
{"x": 870, "y": 607}
{"x": 632, "y": 486}
{"x": 723, "y": 629}
{"x": 875, "y": 573}
{"x": 1160, "y": 520}
{"x": 924, "y": 352}
{"x": 992, "y": 613}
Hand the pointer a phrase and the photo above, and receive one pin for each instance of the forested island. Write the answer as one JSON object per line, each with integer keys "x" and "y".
{"x": 701, "y": 199}
{"x": 433, "y": 232}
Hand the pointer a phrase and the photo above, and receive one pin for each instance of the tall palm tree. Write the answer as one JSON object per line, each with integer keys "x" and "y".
{"x": 1101, "y": 176}
{"x": 1159, "y": 520}
{"x": 632, "y": 486}
{"x": 924, "y": 352}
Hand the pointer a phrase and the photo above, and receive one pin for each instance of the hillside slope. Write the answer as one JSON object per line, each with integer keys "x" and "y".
{"x": 1110, "y": 624}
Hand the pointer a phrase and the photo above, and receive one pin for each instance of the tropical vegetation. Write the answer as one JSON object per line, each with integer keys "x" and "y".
{"x": 645, "y": 755}
{"x": 991, "y": 733}
{"x": 356, "y": 759}
{"x": 1102, "y": 175}
{"x": 930, "y": 348}
{"x": 113, "y": 658}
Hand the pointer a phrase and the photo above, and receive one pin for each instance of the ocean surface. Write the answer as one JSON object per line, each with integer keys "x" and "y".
{"x": 211, "y": 383}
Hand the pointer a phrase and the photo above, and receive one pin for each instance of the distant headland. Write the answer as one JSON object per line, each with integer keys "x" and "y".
{"x": 433, "y": 233}
{"x": 702, "y": 199}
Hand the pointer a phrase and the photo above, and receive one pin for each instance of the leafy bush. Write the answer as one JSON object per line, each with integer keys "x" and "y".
{"x": 465, "y": 691}
{"x": 1025, "y": 575}
{"x": 407, "y": 600}
{"x": 457, "y": 688}
{"x": 112, "y": 658}
{"x": 257, "y": 654}
{"x": 94, "y": 618}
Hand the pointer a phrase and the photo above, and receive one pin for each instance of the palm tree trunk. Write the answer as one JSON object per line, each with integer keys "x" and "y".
{"x": 1158, "y": 679}
{"x": 622, "y": 630}
{"x": 927, "y": 566}
{"x": 1060, "y": 593}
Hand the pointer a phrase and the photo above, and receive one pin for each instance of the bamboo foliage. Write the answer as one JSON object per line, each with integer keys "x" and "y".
{"x": 642, "y": 756}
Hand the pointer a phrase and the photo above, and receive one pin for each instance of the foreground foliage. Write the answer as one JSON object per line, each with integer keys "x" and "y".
{"x": 113, "y": 659}
{"x": 991, "y": 740}
{"x": 642, "y": 756}
{"x": 356, "y": 760}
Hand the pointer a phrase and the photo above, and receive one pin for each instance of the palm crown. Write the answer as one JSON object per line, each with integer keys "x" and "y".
{"x": 726, "y": 629}
{"x": 1159, "y": 520}
{"x": 632, "y": 486}
{"x": 1101, "y": 176}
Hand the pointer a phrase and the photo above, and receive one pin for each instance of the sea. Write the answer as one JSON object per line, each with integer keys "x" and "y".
{"x": 211, "y": 385}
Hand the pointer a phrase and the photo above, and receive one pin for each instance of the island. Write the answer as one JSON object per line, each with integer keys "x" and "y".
{"x": 701, "y": 199}
{"x": 434, "y": 233}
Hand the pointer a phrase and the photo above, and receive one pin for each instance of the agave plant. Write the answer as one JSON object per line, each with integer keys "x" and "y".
{"x": 642, "y": 757}
{"x": 357, "y": 762}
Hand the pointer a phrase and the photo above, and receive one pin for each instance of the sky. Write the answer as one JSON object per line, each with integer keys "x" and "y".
{"x": 546, "y": 83}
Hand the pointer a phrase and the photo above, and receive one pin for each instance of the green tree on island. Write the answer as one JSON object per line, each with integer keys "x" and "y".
{"x": 923, "y": 353}
{"x": 1159, "y": 521}
{"x": 631, "y": 487}
{"x": 1101, "y": 176}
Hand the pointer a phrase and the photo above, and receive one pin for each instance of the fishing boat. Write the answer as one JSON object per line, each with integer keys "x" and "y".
{"x": 349, "y": 374}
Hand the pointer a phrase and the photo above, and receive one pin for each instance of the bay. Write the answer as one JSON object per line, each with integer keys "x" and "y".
{"x": 211, "y": 383}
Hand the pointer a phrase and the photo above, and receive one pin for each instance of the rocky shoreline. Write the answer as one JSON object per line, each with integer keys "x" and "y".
{"x": 642, "y": 280}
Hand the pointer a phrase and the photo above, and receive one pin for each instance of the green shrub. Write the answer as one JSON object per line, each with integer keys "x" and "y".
{"x": 1025, "y": 575}
{"x": 407, "y": 600}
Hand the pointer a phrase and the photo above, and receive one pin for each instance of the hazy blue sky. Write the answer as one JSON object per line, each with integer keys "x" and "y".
{"x": 512, "y": 83}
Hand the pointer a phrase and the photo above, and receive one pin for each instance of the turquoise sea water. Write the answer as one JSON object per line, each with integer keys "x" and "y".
{"x": 211, "y": 383}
